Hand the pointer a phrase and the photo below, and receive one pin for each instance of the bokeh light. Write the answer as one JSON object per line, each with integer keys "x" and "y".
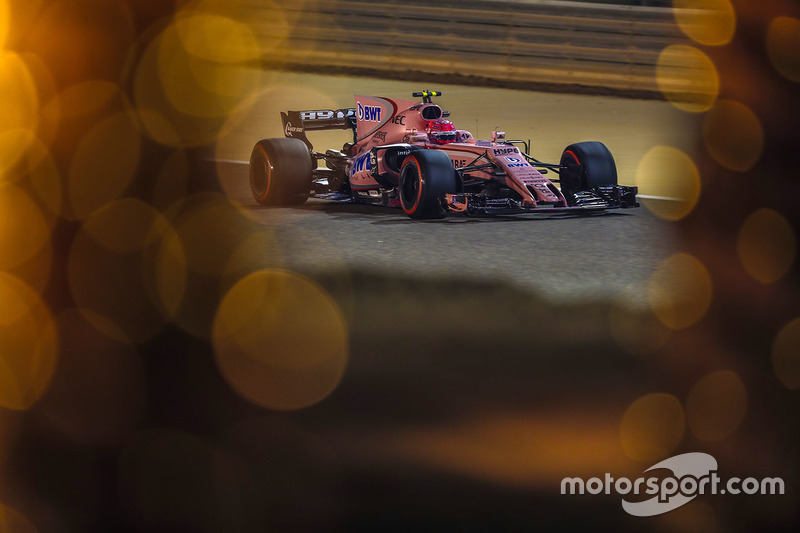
{"x": 20, "y": 101}
{"x": 41, "y": 171}
{"x": 199, "y": 86}
{"x": 210, "y": 228}
{"x": 733, "y": 135}
{"x": 708, "y": 22}
{"x": 29, "y": 344}
{"x": 687, "y": 78}
{"x": 84, "y": 98}
{"x": 126, "y": 265}
{"x": 716, "y": 406}
{"x": 19, "y": 109}
{"x": 37, "y": 270}
{"x": 103, "y": 165}
{"x": 159, "y": 119}
{"x": 766, "y": 245}
{"x": 672, "y": 178}
{"x": 216, "y": 38}
{"x": 680, "y": 291}
{"x": 274, "y": 28}
{"x": 280, "y": 340}
{"x": 98, "y": 391}
{"x": 652, "y": 427}
{"x": 84, "y": 39}
{"x": 193, "y": 74}
{"x": 783, "y": 47}
{"x": 46, "y": 89}
{"x": 13, "y": 144}
{"x": 24, "y": 229}
{"x": 126, "y": 226}
{"x": 786, "y": 355}
{"x": 5, "y": 22}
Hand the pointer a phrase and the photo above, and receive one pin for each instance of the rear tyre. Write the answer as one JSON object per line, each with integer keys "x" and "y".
{"x": 587, "y": 165}
{"x": 425, "y": 177}
{"x": 280, "y": 172}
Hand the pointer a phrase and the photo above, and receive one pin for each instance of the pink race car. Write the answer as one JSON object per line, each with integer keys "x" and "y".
{"x": 407, "y": 154}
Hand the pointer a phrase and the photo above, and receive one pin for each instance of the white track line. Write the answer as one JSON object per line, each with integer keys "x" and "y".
{"x": 668, "y": 198}
{"x": 231, "y": 161}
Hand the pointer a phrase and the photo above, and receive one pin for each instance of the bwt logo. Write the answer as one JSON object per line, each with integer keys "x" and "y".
{"x": 362, "y": 164}
{"x": 369, "y": 113}
{"x": 692, "y": 474}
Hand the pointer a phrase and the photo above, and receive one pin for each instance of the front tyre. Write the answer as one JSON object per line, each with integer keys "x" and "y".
{"x": 425, "y": 177}
{"x": 586, "y": 165}
{"x": 280, "y": 172}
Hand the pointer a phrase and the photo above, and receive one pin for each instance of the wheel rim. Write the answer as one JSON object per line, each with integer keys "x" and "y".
{"x": 409, "y": 187}
{"x": 260, "y": 175}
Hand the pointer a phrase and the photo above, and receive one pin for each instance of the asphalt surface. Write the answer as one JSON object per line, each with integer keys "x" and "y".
{"x": 559, "y": 257}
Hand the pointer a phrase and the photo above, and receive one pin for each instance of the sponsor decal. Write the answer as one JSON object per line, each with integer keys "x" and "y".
{"x": 686, "y": 476}
{"x": 506, "y": 151}
{"x": 325, "y": 114}
{"x": 399, "y": 119}
{"x": 289, "y": 130}
{"x": 361, "y": 164}
{"x": 460, "y": 163}
{"x": 515, "y": 162}
{"x": 369, "y": 113}
{"x": 380, "y": 136}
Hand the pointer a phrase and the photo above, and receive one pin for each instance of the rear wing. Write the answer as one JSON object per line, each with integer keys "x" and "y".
{"x": 297, "y": 123}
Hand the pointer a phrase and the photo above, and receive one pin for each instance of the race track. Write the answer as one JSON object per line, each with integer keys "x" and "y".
{"x": 559, "y": 257}
{"x": 568, "y": 258}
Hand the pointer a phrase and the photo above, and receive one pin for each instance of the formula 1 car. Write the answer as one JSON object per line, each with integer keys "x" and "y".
{"x": 407, "y": 154}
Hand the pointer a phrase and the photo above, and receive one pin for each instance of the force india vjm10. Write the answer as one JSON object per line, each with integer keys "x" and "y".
{"x": 407, "y": 154}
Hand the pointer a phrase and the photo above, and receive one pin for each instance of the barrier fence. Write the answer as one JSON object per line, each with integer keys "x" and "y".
{"x": 601, "y": 46}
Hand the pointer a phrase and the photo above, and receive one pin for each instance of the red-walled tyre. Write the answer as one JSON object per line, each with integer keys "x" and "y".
{"x": 425, "y": 177}
{"x": 587, "y": 165}
{"x": 280, "y": 172}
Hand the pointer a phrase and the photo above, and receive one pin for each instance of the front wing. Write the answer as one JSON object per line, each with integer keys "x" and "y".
{"x": 597, "y": 199}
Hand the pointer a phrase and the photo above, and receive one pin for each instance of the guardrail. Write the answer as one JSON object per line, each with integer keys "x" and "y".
{"x": 599, "y": 46}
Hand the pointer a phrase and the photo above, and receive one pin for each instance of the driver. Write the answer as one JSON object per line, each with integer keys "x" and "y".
{"x": 441, "y": 131}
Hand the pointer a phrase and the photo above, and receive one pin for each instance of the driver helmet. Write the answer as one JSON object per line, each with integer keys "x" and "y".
{"x": 441, "y": 131}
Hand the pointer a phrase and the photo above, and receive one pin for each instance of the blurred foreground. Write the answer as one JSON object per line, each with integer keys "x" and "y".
{"x": 172, "y": 360}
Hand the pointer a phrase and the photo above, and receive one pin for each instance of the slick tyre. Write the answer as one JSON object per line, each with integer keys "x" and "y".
{"x": 280, "y": 172}
{"x": 586, "y": 165}
{"x": 425, "y": 177}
